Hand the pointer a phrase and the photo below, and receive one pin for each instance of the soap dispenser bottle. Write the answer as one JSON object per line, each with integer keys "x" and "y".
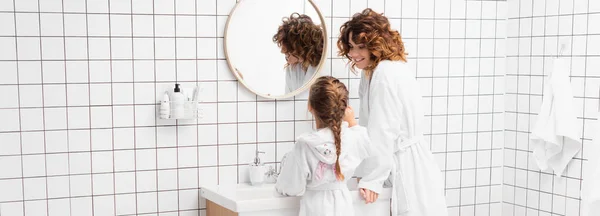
{"x": 257, "y": 170}
{"x": 178, "y": 109}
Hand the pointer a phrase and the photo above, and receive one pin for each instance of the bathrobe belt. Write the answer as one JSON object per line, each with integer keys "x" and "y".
{"x": 403, "y": 144}
{"x": 400, "y": 204}
{"x": 338, "y": 185}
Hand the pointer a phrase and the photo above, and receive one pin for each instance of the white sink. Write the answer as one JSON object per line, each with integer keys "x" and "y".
{"x": 263, "y": 200}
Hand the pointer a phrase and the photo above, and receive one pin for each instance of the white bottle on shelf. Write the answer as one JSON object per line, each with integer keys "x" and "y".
{"x": 178, "y": 105}
{"x": 165, "y": 107}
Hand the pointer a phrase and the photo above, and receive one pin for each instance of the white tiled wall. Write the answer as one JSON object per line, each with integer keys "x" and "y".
{"x": 536, "y": 30}
{"x": 458, "y": 50}
{"x": 79, "y": 133}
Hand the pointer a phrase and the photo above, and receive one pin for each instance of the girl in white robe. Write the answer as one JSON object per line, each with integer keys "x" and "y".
{"x": 390, "y": 109}
{"x": 323, "y": 160}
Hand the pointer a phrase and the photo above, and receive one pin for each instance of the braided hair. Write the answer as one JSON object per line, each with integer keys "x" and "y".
{"x": 329, "y": 99}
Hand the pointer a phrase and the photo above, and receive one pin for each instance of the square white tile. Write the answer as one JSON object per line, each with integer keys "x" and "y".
{"x": 58, "y": 187}
{"x": 124, "y": 160}
{"x": 187, "y": 157}
{"x": 51, "y": 24}
{"x": 103, "y": 184}
{"x": 121, "y": 6}
{"x": 126, "y": 203}
{"x": 167, "y": 179}
{"x": 125, "y": 182}
{"x": 146, "y": 181}
{"x": 80, "y": 163}
{"x": 104, "y": 205}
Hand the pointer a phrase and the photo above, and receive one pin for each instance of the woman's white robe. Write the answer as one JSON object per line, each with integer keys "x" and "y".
{"x": 390, "y": 108}
{"x": 296, "y": 77}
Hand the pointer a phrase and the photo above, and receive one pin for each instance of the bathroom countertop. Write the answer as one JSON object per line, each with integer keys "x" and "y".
{"x": 247, "y": 198}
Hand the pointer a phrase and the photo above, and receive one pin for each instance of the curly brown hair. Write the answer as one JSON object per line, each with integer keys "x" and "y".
{"x": 328, "y": 99}
{"x": 374, "y": 31}
{"x": 300, "y": 37}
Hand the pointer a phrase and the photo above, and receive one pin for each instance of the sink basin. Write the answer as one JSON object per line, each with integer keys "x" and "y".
{"x": 263, "y": 200}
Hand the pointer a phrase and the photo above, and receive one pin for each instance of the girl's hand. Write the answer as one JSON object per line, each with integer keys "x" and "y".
{"x": 349, "y": 116}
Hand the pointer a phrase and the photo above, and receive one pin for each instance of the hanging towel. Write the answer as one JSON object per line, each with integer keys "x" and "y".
{"x": 590, "y": 190}
{"x": 555, "y": 137}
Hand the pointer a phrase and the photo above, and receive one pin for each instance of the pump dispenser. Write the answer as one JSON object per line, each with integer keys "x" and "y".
{"x": 257, "y": 170}
{"x": 178, "y": 103}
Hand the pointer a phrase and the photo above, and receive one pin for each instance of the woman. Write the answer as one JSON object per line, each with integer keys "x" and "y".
{"x": 390, "y": 109}
{"x": 301, "y": 41}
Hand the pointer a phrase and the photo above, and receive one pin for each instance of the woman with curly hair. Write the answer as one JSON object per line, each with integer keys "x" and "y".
{"x": 390, "y": 109}
{"x": 301, "y": 41}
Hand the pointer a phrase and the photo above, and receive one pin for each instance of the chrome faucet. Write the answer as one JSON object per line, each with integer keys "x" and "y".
{"x": 272, "y": 174}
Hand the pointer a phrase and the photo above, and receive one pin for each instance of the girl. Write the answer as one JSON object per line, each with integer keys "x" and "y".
{"x": 390, "y": 109}
{"x": 323, "y": 160}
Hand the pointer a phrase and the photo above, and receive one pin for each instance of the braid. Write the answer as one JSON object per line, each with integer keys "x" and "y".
{"x": 342, "y": 104}
{"x": 329, "y": 99}
{"x": 337, "y": 133}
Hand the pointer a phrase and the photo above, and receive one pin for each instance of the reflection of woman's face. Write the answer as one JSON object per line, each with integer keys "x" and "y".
{"x": 291, "y": 59}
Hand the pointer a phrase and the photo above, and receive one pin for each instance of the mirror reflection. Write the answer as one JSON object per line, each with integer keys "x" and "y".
{"x": 280, "y": 52}
{"x": 301, "y": 41}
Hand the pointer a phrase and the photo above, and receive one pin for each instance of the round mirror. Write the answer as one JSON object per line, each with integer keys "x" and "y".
{"x": 275, "y": 48}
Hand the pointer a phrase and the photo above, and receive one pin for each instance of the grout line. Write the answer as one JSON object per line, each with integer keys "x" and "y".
{"x": 529, "y": 104}
{"x": 44, "y": 110}
{"x": 223, "y": 59}
{"x": 447, "y": 104}
{"x": 217, "y": 93}
{"x": 157, "y": 179}
{"x": 251, "y": 143}
{"x": 557, "y": 54}
{"x": 19, "y": 110}
{"x": 478, "y": 97}
{"x": 584, "y": 94}
{"x": 197, "y": 168}
{"x": 177, "y": 122}
{"x": 493, "y": 109}
{"x": 462, "y": 127}
{"x": 516, "y": 108}
{"x": 135, "y": 138}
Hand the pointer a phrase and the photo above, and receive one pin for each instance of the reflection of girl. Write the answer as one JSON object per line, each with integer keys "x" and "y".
{"x": 321, "y": 160}
{"x": 390, "y": 108}
{"x": 301, "y": 41}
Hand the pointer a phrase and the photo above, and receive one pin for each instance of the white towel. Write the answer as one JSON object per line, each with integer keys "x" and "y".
{"x": 590, "y": 189}
{"x": 556, "y": 135}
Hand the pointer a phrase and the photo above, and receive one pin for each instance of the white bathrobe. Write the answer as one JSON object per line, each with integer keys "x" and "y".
{"x": 296, "y": 77}
{"x": 308, "y": 170}
{"x": 555, "y": 137}
{"x": 390, "y": 108}
{"x": 590, "y": 189}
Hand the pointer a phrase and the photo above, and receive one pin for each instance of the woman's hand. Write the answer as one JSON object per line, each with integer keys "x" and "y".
{"x": 368, "y": 195}
{"x": 349, "y": 116}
